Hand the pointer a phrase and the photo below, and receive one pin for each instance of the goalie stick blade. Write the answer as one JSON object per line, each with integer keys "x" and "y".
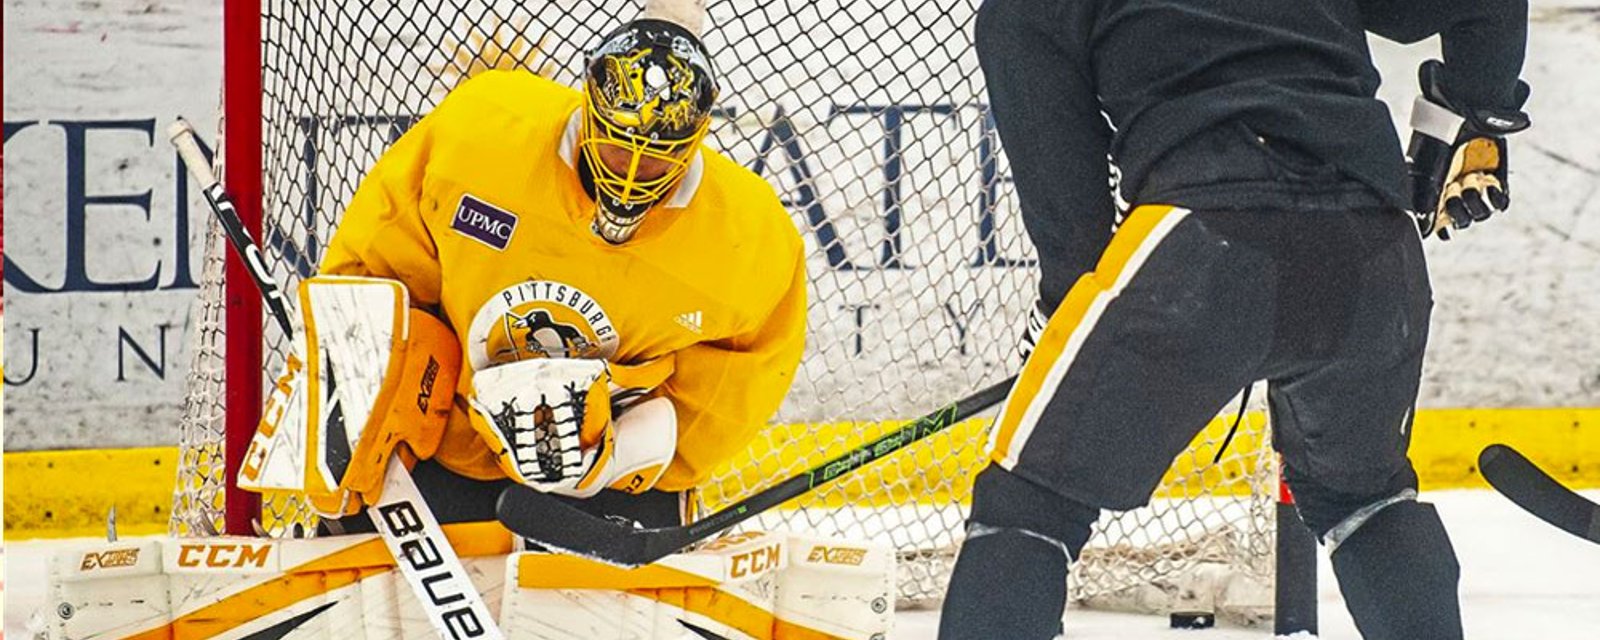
{"x": 551, "y": 522}
{"x": 1517, "y": 478}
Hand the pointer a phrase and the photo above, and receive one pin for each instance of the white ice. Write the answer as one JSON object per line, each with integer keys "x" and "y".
{"x": 1520, "y": 578}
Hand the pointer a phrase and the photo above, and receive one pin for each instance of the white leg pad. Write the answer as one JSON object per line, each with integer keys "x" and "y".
{"x": 335, "y": 588}
{"x": 755, "y": 586}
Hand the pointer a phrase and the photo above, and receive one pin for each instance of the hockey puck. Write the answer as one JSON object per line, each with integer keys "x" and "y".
{"x": 1192, "y": 620}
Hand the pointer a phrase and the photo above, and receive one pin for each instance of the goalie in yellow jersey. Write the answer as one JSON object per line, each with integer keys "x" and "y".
{"x": 629, "y": 304}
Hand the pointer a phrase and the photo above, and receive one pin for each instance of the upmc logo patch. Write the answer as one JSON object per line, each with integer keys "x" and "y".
{"x": 484, "y": 222}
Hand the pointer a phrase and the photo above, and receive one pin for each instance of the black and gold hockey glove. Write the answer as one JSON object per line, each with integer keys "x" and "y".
{"x": 1457, "y": 157}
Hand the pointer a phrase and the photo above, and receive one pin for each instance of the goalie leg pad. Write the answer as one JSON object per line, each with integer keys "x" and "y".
{"x": 754, "y": 586}
{"x": 233, "y": 587}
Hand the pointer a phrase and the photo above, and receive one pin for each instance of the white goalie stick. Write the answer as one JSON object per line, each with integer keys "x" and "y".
{"x": 430, "y": 565}
{"x": 1517, "y": 478}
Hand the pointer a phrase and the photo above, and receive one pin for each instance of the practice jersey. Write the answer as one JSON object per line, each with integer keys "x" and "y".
{"x": 1147, "y": 75}
{"x": 479, "y": 211}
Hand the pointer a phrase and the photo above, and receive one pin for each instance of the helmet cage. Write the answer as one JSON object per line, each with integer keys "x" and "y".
{"x": 626, "y": 188}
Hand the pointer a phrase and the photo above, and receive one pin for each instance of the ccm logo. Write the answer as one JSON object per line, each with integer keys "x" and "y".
{"x": 109, "y": 559}
{"x": 852, "y": 556}
{"x": 271, "y": 417}
{"x": 224, "y": 556}
{"x": 751, "y": 562}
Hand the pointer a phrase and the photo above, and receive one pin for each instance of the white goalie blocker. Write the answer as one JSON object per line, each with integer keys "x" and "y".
{"x": 373, "y": 375}
{"x": 367, "y": 374}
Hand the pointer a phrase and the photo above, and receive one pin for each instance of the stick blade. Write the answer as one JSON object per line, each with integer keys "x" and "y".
{"x": 556, "y": 524}
{"x": 1517, "y": 478}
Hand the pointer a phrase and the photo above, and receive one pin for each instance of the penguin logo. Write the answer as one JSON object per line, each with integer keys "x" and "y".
{"x": 539, "y": 319}
{"x": 546, "y": 336}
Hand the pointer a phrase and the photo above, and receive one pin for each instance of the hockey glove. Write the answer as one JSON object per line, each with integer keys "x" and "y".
{"x": 550, "y": 422}
{"x": 1457, "y": 157}
{"x": 367, "y": 375}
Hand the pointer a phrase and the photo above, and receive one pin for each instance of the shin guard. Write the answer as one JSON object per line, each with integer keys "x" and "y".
{"x": 1010, "y": 579}
{"x": 1398, "y": 574}
{"x": 1008, "y": 583}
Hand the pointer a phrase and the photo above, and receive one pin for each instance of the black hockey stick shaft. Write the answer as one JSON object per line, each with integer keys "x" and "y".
{"x": 183, "y": 138}
{"x": 558, "y": 524}
{"x": 1517, "y": 478}
{"x": 861, "y": 456}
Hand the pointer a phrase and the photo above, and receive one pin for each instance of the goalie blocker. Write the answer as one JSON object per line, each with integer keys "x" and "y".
{"x": 367, "y": 374}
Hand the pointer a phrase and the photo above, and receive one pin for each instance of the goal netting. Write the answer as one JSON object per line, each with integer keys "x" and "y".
{"x": 868, "y": 118}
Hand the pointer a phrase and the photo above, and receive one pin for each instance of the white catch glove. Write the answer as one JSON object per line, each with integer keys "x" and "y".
{"x": 550, "y": 421}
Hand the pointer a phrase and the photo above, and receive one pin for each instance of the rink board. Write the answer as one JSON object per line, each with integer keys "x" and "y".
{"x": 69, "y": 493}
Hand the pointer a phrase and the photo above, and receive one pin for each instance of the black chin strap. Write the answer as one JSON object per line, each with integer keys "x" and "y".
{"x": 586, "y": 178}
{"x": 586, "y": 175}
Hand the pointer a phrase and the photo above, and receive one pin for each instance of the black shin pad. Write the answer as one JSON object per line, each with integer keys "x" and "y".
{"x": 1398, "y": 574}
{"x": 1010, "y": 579}
{"x": 1007, "y": 584}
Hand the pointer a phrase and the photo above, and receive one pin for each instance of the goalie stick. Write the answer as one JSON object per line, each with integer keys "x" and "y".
{"x": 430, "y": 565}
{"x": 554, "y": 523}
{"x": 1517, "y": 478}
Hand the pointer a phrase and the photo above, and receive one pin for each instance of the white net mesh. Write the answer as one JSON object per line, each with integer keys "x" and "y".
{"x": 867, "y": 117}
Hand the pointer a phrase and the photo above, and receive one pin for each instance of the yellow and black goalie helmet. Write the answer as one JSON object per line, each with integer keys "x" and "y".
{"x": 648, "y": 93}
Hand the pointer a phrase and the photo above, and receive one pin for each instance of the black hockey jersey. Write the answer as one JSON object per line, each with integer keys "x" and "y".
{"x": 1146, "y": 76}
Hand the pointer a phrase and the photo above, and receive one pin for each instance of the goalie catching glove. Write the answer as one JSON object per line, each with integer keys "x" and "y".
{"x": 1457, "y": 156}
{"x": 553, "y": 426}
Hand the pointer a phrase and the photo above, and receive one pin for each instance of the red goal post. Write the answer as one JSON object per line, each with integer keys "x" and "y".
{"x": 241, "y": 160}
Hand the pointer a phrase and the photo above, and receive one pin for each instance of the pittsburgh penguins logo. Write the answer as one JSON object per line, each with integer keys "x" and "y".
{"x": 540, "y": 319}
{"x": 546, "y": 336}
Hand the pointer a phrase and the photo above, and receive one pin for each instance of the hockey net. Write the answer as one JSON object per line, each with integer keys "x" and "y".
{"x": 868, "y": 118}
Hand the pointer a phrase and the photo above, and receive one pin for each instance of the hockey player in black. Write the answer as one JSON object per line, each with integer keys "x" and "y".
{"x": 1267, "y": 239}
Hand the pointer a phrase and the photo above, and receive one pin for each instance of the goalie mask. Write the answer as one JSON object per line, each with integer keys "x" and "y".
{"x": 648, "y": 92}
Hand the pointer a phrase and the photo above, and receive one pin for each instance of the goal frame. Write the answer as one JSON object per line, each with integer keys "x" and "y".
{"x": 241, "y": 148}
{"x": 241, "y": 151}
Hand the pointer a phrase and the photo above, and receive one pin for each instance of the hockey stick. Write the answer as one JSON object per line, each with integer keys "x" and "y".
{"x": 549, "y": 521}
{"x": 430, "y": 565}
{"x": 1517, "y": 478}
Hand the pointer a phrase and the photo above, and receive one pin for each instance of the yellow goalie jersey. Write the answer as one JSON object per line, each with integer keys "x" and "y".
{"x": 479, "y": 211}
